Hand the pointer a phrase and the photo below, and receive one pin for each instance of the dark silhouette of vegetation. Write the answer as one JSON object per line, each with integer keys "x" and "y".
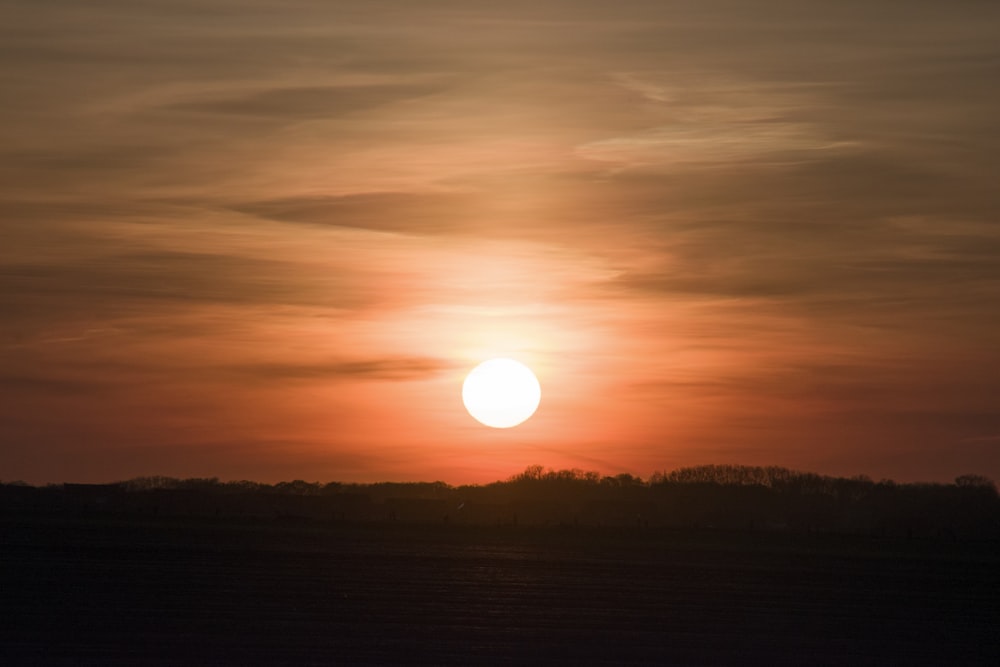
{"x": 723, "y": 497}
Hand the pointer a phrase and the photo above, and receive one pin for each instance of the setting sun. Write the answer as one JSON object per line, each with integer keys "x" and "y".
{"x": 501, "y": 393}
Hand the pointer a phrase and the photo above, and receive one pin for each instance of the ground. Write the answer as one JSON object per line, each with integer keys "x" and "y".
{"x": 101, "y": 590}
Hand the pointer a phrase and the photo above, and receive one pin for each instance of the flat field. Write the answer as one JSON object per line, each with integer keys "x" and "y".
{"x": 101, "y": 590}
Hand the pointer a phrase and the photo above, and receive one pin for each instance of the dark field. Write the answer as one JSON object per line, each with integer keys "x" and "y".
{"x": 170, "y": 591}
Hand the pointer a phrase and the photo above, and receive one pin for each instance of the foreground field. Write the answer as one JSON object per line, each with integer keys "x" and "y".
{"x": 168, "y": 591}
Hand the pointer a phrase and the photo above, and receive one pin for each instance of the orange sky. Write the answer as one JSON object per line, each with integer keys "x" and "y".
{"x": 267, "y": 240}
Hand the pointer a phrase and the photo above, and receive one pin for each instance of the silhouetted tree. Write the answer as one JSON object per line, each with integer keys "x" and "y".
{"x": 976, "y": 482}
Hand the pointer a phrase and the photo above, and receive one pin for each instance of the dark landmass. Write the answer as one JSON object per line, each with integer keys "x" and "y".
{"x": 714, "y": 565}
{"x": 723, "y": 497}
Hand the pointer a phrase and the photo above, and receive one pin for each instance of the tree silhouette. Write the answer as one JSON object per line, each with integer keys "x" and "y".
{"x": 730, "y": 497}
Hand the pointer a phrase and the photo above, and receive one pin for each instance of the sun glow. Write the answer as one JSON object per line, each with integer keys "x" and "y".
{"x": 501, "y": 393}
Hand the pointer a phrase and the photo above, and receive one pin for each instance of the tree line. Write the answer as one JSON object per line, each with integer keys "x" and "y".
{"x": 720, "y": 497}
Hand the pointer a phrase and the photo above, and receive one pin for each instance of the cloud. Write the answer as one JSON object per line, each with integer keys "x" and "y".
{"x": 392, "y": 369}
{"x": 415, "y": 213}
{"x": 305, "y": 102}
{"x": 43, "y": 384}
{"x": 703, "y": 124}
{"x": 162, "y": 275}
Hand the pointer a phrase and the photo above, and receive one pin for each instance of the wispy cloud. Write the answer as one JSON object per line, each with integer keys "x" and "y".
{"x": 303, "y": 103}
{"x": 395, "y": 369}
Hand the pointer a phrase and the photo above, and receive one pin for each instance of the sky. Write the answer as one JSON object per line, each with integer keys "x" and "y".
{"x": 267, "y": 239}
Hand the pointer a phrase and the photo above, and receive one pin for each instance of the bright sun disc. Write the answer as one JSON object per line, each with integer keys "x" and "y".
{"x": 501, "y": 393}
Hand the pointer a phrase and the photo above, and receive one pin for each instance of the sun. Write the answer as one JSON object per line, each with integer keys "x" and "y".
{"x": 501, "y": 393}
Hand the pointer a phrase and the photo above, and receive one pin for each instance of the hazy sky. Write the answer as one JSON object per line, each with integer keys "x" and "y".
{"x": 267, "y": 239}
